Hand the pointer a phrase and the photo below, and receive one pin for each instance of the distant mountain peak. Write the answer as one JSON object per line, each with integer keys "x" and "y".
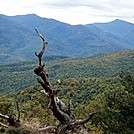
{"x": 121, "y": 21}
{"x": 27, "y": 15}
{"x": 118, "y": 20}
{"x": 113, "y": 22}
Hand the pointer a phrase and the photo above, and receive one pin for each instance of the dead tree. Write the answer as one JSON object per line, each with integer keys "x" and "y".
{"x": 63, "y": 113}
{"x": 10, "y": 119}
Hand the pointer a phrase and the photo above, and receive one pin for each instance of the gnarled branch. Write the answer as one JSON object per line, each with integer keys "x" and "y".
{"x": 62, "y": 112}
{"x": 81, "y": 122}
{"x": 9, "y": 119}
{"x": 40, "y": 71}
{"x": 43, "y": 48}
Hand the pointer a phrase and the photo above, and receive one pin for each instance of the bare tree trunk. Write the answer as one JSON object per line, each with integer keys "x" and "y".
{"x": 62, "y": 112}
{"x": 51, "y": 93}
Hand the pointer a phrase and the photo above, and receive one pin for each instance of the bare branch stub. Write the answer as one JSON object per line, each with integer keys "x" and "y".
{"x": 81, "y": 122}
{"x": 9, "y": 119}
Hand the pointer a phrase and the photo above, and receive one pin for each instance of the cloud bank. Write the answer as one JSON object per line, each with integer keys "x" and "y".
{"x": 73, "y": 12}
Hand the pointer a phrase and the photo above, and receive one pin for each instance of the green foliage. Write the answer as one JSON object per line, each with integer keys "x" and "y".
{"x": 127, "y": 80}
{"x": 33, "y": 104}
{"x": 17, "y": 131}
{"x": 82, "y": 90}
{"x": 89, "y": 82}
{"x": 17, "y": 76}
{"x": 116, "y": 108}
{"x": 110, "y": 96}
{"x": 6, "y": 103}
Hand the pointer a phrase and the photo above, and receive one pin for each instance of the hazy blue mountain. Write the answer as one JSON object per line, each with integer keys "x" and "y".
{"x": 14, "y": 38}
{"x": 119, "y": 28}
{"x": 19, "y": 41}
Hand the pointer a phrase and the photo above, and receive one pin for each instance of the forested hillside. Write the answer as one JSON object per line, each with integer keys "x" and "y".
{"x": 17, "y": 76}
{"x": 103, "y": 83}
{"x": 111, "y": 97}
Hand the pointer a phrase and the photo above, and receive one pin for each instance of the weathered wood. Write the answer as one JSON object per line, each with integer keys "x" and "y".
{"x": 43, "y": 48}
{"x": 63, "y": 113}
{"x": 3, "y": 125}
{"x": 4, "y": 116}
{"x": 81, "y": 122}
{"x": 9, "y": 119}
{"x": 44, "y": 81}
{"x": 47, "y": 129}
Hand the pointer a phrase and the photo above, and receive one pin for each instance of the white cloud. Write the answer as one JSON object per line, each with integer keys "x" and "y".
{"x": 74, "y": 11}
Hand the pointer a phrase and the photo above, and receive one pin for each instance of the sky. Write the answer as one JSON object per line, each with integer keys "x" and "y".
{"x": 72, "y": 11}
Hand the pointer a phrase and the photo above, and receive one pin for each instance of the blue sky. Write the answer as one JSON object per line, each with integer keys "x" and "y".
{"x": 72, "y": 12}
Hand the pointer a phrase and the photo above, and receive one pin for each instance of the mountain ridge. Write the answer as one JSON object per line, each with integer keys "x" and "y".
{"x": 119, "y": 28}
{"x": 19, "y": 41}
